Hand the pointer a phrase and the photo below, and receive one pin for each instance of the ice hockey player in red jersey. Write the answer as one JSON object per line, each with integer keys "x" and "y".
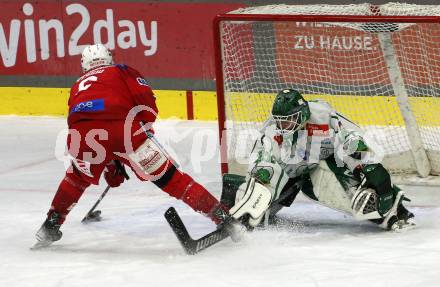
{"x": 111, "y": 112}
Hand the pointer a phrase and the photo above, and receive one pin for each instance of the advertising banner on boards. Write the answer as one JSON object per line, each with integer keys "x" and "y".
{"x": 163, "y": 40}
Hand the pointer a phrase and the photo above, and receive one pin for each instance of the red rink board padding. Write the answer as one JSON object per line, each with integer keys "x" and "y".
{"x": 162, "y": 40}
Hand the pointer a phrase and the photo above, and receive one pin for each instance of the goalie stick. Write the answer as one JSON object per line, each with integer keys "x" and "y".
{"x": 192, "y": 246}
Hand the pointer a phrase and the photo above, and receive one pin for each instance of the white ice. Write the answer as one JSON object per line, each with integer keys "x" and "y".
{"x": 134, "y": 246}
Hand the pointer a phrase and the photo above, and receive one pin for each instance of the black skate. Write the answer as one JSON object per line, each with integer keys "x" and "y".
{"x": 402, "y": 221}
{"x": 403, "y": 213}
{"x": 49, "y": 231}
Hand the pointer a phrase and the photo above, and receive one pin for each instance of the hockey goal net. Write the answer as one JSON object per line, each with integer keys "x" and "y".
{"x": 377, "y": 65}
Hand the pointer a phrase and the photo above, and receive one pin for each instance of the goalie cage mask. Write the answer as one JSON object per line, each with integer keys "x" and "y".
{"x": 290, "y": 111}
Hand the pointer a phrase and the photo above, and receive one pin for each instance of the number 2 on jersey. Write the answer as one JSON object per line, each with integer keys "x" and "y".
{"x": 83, "y": 86}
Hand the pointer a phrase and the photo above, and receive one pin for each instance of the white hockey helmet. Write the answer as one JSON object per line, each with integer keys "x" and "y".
{"x": 94, "y": 56}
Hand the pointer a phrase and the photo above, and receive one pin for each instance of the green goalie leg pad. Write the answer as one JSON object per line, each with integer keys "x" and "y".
{"x": 386, "y": 200}
{"x": 344, "y": 176}
{"x": 231, "y": 183}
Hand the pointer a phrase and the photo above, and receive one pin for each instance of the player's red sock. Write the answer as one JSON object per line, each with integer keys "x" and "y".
{"x": 182, "y": 186}
{"x": 69, "y": 191}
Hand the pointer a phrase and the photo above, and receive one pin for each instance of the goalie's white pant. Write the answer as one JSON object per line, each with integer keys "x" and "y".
{"x": 358, "y": 202}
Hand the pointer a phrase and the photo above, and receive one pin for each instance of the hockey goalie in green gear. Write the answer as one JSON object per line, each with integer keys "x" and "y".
{"x": 309, "y": 147}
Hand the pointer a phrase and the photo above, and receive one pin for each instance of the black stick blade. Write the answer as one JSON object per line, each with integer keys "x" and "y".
{"x": 92, "y": 217}
{"x": 190, "y": 245}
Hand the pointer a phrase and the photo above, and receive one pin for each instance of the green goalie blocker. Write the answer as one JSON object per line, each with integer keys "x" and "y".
{"x": 231, "y": 183}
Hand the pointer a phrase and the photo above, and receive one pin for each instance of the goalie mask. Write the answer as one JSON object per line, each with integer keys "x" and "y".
{"x": 94, "y": 56}
{"x": 290, "y": 111}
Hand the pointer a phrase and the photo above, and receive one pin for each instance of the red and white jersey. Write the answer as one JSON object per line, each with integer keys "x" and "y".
{"x": 109, "y": 93}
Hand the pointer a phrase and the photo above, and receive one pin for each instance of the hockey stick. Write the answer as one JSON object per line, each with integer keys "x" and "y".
{"x": 93, "y": 215}
{"x": 192, "y": 246}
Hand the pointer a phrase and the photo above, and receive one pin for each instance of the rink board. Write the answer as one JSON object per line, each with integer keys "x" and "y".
{"x": 364, "y": 110}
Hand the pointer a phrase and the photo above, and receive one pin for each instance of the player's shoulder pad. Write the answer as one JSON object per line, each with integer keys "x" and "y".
{"x": 320, "y": 111}
{"x": 320, "y": 106}
{"x": 122, "y": 67}
{"x": 133, "y": 73}
{"x": 269, "y": 128}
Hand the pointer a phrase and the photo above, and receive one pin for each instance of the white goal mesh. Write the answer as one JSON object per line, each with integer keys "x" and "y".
{"x": 383, "y": 76}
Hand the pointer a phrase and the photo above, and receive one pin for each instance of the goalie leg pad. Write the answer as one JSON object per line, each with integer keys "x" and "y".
{"x": 397, "y": 218}
{"x": 360, "y": 202}
{"x": 364, "y": 204}
{"x": 390, "y": 221}
{"x": 328, "y": 190}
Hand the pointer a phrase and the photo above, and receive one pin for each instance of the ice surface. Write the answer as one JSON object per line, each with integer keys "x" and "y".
{"x": 133, "y": 245}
